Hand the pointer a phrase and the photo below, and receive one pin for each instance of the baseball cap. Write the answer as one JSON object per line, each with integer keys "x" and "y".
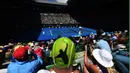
{"x": 20, "y": 53}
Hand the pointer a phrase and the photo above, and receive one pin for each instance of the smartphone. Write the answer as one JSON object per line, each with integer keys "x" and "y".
{"x": 87, "y": 49}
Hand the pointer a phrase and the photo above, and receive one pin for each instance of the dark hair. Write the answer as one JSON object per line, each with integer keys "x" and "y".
{"x": 99, "y": 34}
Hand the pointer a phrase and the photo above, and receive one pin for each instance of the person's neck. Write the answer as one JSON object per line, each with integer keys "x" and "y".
{"x": 63, "y": 70}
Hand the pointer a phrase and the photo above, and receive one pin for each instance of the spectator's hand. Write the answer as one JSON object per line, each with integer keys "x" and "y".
{"x": 127, "y": 54}
{"x": 86, "y": 59}
{"x": 1, "y": 50}
{"x": 39, "y": 52}
{"x": 85, "y": 69}
{"x": 30, "y": 50}
{"x": 85, "y": 62}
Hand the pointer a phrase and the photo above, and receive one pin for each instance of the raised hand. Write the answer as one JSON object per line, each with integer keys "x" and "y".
{"x": 85, "y": 61}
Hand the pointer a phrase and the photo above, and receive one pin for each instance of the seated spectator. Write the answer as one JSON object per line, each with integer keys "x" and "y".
{"x": 63, "y": 55}
{"x": 47, "y": 52}
{"x": 38, "y": 50}
{"x": 101, "y": 42}
{"x": 7, "y": 50}
{"x": 22, "y": 64}
{"x": 2, "y": 56}
{"x": 121, "y": 58}
{"x": 101, "y": 62}
{"x": 16, "y": 47}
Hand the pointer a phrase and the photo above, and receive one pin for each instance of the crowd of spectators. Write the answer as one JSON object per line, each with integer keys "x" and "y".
{"x": 61, "y": 26}
{"x": 57, "y": 18}
{"x": 103, "y": 53}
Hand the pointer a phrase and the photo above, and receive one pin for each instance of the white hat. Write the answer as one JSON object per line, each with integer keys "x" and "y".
{"x": 80, "y": 27}
{"x": 31, "y": 44}
{"x": 43, "y": 71}
{"x": 36, "y": 43}
{"x": 3, "y": 71}
{"x": 103, "y": 57}
{"x": 109, "y": 34}
{"x": 126, "y": 30}
{"x": 103, "y": 33}
{"x": 121, "y": 46}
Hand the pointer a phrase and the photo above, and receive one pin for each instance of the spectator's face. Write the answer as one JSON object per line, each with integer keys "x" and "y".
{"x": 43, "y": 46}
{"x": 122, "y": 40}
{"x": 10, "y": 50}
{"x": 0, "y": 49}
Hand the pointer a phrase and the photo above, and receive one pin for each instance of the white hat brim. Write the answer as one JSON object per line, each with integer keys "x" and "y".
{"x": 103, "y": 62}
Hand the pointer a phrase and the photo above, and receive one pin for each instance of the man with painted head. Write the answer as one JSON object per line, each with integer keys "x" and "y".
{"x": 63, "y": 55}
{"x": 22, "y": 64}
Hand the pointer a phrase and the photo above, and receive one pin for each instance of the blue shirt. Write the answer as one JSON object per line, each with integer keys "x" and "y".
{"x": 102, "y": 44}
{"x": 26, "y": 66}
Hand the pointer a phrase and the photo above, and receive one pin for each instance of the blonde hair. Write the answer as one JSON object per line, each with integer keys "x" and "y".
{"x": 1, "y": 47}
